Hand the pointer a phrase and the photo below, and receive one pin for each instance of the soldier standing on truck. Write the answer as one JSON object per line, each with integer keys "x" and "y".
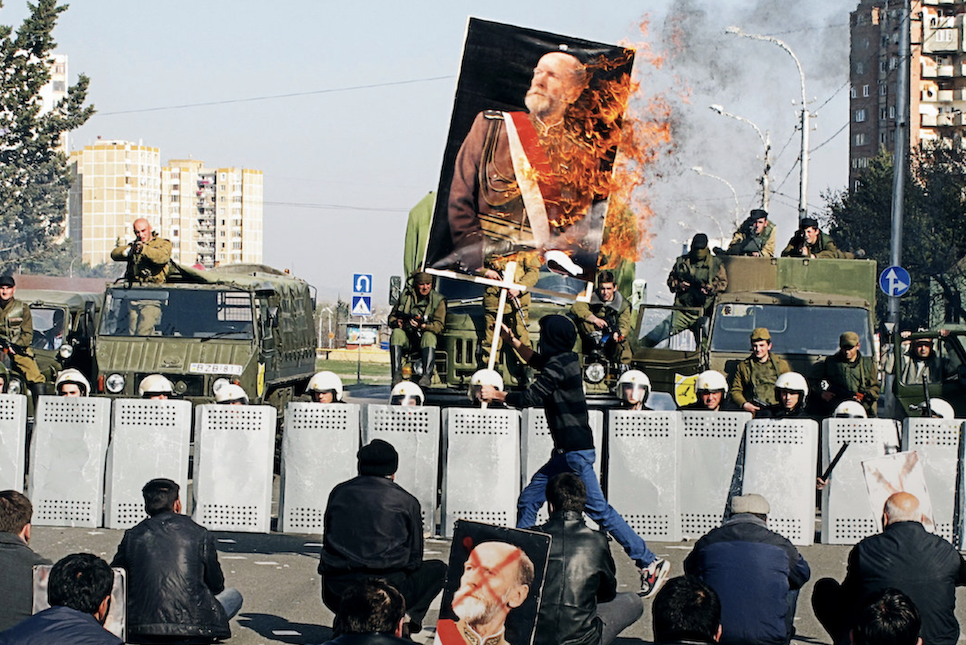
{"x": 849, "y": 376}
{"x": 417, "y": 320}
{"x": 755, "y": 238}
{"x": 694, "y": 280}
{"x": 147, "y": 260}
{"x": 753, "y": 385}
{"x": 17, "y": 333}
{"x": 606, "y": 311}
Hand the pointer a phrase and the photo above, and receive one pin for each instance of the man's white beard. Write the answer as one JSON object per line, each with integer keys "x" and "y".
{"x": 539, "y": 105}
{"x": 474, "y": 611}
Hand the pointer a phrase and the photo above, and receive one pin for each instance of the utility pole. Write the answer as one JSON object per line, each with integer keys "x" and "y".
{"x": 900, "y": 156}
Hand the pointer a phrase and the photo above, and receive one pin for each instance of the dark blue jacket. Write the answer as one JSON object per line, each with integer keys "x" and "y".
{"x": 61, "y": 625}
{"x": 752, "y": 570}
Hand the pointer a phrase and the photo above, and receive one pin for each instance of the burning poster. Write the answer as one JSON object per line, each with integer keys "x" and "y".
{"x": 898, "y": 472}
{"x": 493, "y": 585}
{"x": 528, "y": 166}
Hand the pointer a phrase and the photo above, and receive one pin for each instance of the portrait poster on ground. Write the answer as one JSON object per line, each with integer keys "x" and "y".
{"x": 898, "y": 472}
{"x": 494, "y": 582}
{"x": 529, "y": 158}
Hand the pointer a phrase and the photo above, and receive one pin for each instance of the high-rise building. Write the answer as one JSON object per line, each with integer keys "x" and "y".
{"x": 114, "y": 183}
{"x": 55, "y": 90}
{"x": 937, "y": 77}
{"x": 213, "y": 216}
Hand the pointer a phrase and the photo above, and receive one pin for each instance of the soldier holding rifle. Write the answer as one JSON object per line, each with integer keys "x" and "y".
{"x": 416, "y": 321}
{"x": 17, "y": 333}
{"x": 147, "y": 260}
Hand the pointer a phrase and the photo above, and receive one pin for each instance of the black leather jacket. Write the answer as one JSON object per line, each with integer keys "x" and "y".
{"x": 580, "y": 573}
{"x": 173, "y": 576}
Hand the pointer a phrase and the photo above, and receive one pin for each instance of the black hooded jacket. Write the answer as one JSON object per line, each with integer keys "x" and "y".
{"x": 559, "y": 388}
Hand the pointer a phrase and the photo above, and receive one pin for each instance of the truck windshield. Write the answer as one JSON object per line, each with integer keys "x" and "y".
{"x": 188, "y": 313}
{"x": 50, "y": 327}
{"x": 794, "y": 330}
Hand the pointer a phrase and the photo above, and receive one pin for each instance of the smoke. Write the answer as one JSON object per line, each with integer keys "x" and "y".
{"x": 758, "y": 81}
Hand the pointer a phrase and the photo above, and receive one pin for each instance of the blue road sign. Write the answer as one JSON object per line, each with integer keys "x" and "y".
{"x": 362, "y": 283}
{"x": 361, "y": 305}
{"x": 894, "y": 281}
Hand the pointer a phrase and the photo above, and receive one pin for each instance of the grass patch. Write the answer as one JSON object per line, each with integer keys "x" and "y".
{"x": 370, "y": 372}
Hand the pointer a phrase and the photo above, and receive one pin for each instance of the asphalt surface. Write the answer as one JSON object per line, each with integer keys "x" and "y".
{"x": 276, "y": 574}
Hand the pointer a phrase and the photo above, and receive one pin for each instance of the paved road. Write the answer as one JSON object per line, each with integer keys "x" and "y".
{"x": 277, "y": 575}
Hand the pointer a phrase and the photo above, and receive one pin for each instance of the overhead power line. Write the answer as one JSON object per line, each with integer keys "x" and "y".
{"x": 271, "y": 97}
{"x": 339, "y": 207}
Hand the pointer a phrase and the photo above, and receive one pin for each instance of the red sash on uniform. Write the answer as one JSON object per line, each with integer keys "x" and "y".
{"x": 530, "y": 140}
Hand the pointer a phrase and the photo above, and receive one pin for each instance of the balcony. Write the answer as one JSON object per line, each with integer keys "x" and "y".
{"x": 945, "y": 71}
{"x": 946, "y": 96}
{"x": 928, "y": 120}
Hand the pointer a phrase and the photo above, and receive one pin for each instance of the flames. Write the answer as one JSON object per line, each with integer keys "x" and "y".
{"x": 613, "y": 137}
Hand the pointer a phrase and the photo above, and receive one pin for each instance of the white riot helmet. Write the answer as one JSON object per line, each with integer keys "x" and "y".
{"x": 481, "y": 378}
{"x": 941, "y": 409}
{"x": 326, "y": 382}
{"x": 406, "y": 393}
{"x": 711, "y": 381}
{"x": 633, "y": 387}
{"x": 793, "y": 382}
{"x": 154, "y": 385}
{"x": 850, "y": 410}
{"x": 73, "y": 376}
{"x": 231, "y": 393}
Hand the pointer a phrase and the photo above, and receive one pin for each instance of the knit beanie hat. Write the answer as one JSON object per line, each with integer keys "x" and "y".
{"x": 378, "y": 458}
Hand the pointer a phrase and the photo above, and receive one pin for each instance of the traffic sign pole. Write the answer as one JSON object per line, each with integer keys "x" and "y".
{"x": 361, "y": 307}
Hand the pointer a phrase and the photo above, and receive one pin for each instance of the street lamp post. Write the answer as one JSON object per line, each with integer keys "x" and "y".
{"x": 803, "y": 117}
{"x": 765, "y": 141}
{"x": 734, "y": 194}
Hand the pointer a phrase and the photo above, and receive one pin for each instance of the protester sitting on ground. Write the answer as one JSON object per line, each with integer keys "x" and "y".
{"x": 79, "y": 593}
{"x": 580, "y": 601}
{"x": 71, "y": 382}
{"x": 686, "y": 611}
{"x": 481, "y": 378}
{"x": 756, "y": 572}
{"x": 906, "y": 557}
{"x": 406, "y": 393}
{"x": 157, "y": 387}
{"x": 176, "y": 588}
{"x": 17, "y": 560}
{"x": 372, "y": 527}
{"x": 710, "y": 388}
{"x": 888, "y": 618}
{"x": 372, "y": 612}
{"x": 633, "y": 389}
{"x": 231, "y": 394}
{"x": 325, "y": 387}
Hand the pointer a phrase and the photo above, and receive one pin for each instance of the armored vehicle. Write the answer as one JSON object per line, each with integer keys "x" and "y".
{"x": 246, "y": 324}
{"x": 805, "y": 303}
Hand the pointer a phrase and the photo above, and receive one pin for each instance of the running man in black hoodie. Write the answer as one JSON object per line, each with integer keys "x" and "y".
{"x": 559, "y": 390}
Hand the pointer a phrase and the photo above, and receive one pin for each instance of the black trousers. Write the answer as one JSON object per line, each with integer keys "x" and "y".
{"x": 418, "y": 587}
{"x": 832, "y": 609}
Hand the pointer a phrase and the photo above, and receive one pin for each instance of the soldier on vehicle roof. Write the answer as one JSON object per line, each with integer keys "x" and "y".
{"x": 417, "y": 320}
{"x": 810, "y": 242}
{"x": 755, "y": 238}
{"x": 148, "y": 260}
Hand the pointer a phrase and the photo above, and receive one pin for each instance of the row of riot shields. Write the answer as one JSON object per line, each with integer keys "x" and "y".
{"x": 670, "y": 474}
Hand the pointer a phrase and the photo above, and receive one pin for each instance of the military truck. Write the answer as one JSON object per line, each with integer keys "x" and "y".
{"x": 63, "y": 329}
{"x": 805, "y": 303}
{"x": 247, "y": 324}
{"x": 949, "y": 347}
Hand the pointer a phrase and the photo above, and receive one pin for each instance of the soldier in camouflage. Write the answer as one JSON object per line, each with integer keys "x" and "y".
{"x": 148, "y": 258}
{"x": 753, "y": 385}
{"x": 17, "y": 332}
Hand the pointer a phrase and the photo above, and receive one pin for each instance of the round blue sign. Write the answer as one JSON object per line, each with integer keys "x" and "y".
{"x": 894, "y": 281}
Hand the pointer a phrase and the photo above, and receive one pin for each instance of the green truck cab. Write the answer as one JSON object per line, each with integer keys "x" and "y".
{"x": 805, "y": 303}
{"x": 245, "y": 324}
{"x": 63, "y": 329}
{"x": 949, "y": 347}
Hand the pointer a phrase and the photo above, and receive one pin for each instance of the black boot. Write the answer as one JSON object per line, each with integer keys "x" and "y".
{"x": 37, "y": 389}
{"x": 395, "y": 363}
{"x": 429, "y": 360}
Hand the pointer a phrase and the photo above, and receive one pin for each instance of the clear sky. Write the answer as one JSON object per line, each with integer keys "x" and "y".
{"x": 359, "y": 140}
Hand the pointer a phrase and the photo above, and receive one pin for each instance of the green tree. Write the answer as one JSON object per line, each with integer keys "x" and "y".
{"x": 934, "y": 221}
{"x": 34, "y": 180}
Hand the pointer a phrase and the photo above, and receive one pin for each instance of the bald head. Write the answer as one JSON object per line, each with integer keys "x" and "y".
{"x": 142, "y": 229}
{"x": 558, "y": 79}
{"x": 902, "y": 507}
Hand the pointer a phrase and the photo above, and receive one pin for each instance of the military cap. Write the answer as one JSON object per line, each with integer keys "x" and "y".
{"x": 761, "y": 333}
{"x": 848, "y": 340}
{"x": 699, "y": 241}
{"x": 808, "y": 222}
{"x": 758, "y": 213}
{"x": 7, "y": 281}
{"x": 422, "y": 277}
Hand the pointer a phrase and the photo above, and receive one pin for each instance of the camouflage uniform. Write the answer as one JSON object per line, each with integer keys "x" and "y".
{"x": 617, "y": 309}
{"x": 756, "y": 381}
{"x": 745, "y": 242}
{"x": 847, "y": 379}
{"x": 17, "y": 327}
{"x": 149, "y": 266}
{"x": 823, "y": 247}
{"x": 527, "y": 273}
{"x": 432, "y": 309}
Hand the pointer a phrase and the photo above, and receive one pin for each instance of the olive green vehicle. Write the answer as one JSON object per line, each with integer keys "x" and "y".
{"x": 246, "y": 324}
{"x": 949, "y": 345}
{"x": 63, "y": 329}
{"x": 806, "y": 304}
